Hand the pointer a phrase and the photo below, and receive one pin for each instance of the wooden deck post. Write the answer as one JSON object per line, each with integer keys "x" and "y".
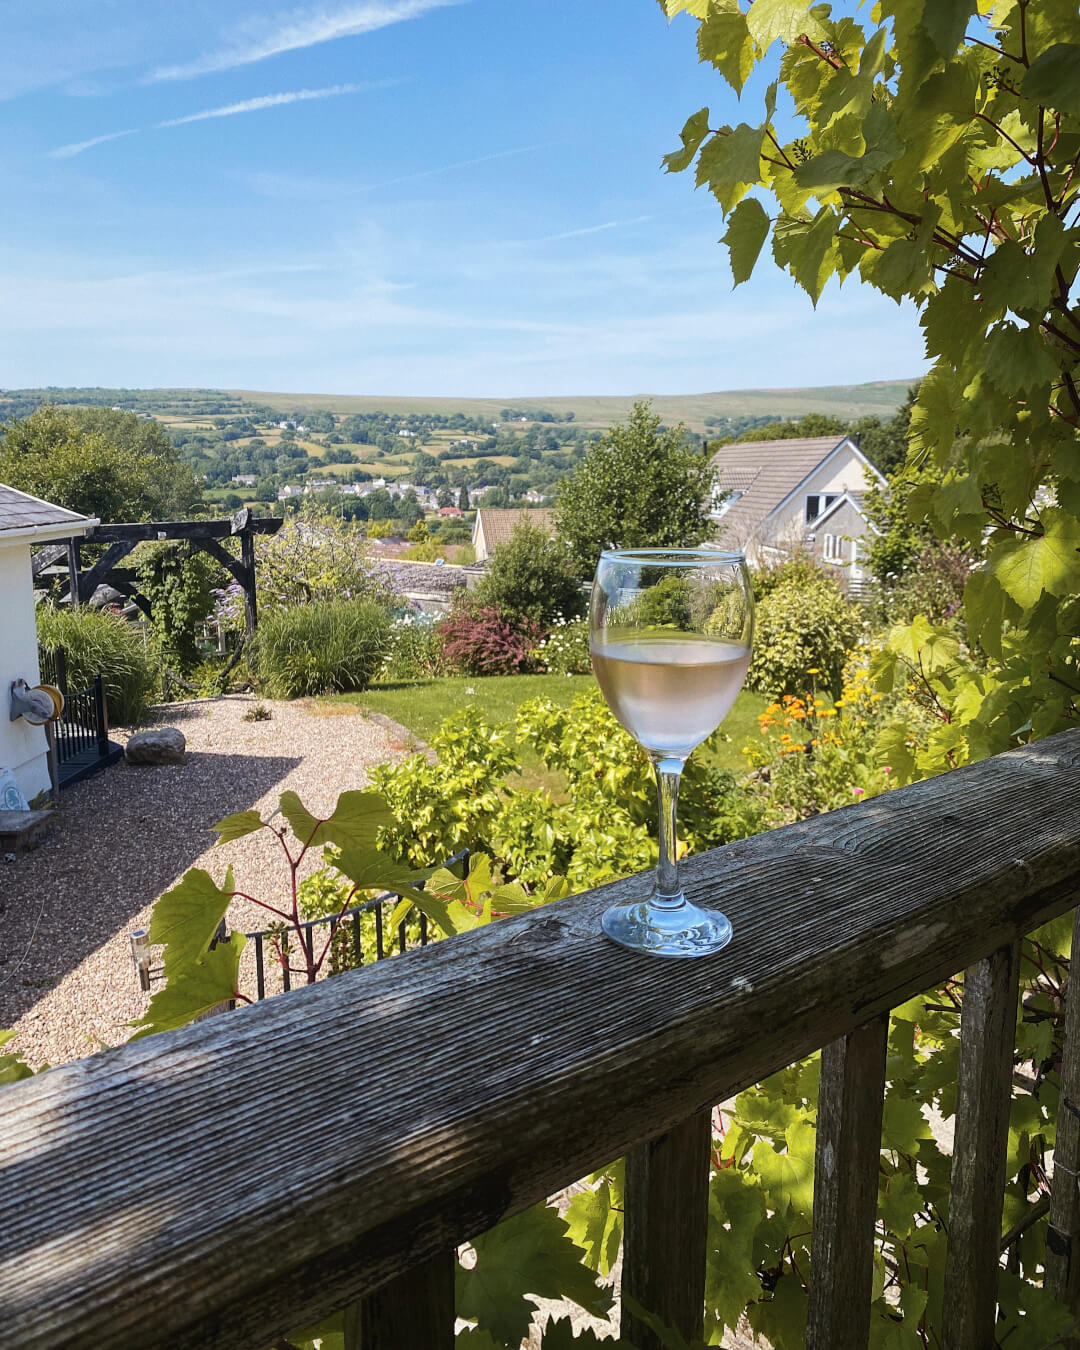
{"x": 414, "y": 1309}
{"x": 984, "y": 1095}
{"x": 1063, "y": 1235}
{"x": 846, "y": 1167}
{"x": 667, "y": 1214}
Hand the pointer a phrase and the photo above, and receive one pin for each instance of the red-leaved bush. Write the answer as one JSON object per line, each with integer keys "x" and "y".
{"x": 489, "y": 642}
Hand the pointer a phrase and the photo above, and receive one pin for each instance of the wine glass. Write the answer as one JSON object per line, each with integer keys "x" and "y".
{"x": 670, "y": 632}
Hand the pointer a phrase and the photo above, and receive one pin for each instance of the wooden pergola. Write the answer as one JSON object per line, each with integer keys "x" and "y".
{"x": 122, "y": 539}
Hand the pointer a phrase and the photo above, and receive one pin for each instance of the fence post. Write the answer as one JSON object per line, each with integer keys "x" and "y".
{"x": 101, "y": 716}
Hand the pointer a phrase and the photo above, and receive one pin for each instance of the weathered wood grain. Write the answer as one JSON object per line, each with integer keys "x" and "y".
{"x": 846, "y": 1168}
{"x": 666, "y": 1226}
{"x": 223, "y": 1184}
{"x": 414, "y": 1309}
{"x": 980, "y": 1146}
{"x": 178, "y": 529}
{"x": 1063, "y": 1235}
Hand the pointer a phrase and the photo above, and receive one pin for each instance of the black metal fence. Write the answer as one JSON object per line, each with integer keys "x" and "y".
{"x": 358, "y": 937}
{"x": 82, "y": 730}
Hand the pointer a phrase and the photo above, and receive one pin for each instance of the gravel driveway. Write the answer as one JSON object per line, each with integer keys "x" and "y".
{"x": 120, "y": 839}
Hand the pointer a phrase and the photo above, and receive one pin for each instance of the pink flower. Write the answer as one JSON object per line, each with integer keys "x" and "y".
{"x": 886, "y": 769}
{"x": 858, "y": 791}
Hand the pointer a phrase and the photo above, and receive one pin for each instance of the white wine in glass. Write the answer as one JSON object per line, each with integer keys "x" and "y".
{"x": 670, "y": 631}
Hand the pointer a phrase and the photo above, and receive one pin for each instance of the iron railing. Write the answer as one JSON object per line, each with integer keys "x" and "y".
{"x": 82, "y": 730}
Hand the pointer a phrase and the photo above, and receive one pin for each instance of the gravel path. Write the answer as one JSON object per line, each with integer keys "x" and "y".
{"x": 120, "y": 839}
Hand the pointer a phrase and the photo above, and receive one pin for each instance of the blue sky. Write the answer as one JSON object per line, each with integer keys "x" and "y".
{"x": 385, "y": 196}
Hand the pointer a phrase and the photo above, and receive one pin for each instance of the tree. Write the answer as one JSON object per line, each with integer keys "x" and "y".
{"x": 463, "y": 499}
{"x": 638, "y": 487}
{"x": 532, "y": 576}
{"x": 936, "y": 156}
{"x": 445, "y": 497}
{"x": 98, "y": 462}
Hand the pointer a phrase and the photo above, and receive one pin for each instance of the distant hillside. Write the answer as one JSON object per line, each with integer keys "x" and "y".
{"x": 847, "y": 401}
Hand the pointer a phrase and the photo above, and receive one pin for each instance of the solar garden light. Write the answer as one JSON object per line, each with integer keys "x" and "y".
{"x": 140, "y": 954}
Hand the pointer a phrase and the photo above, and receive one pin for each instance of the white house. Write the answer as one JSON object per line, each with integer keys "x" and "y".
{"x": 24, "y": 521}
{"x": 491, "y": 528}
{"x": 795, "y": 496}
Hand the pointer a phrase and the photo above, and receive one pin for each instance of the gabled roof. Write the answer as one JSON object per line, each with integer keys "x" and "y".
{"x": 499, "y": 524}
{"x": 21, "y": 514}
{"x": 853, "y": 499}
{"x": 768, "y": 474}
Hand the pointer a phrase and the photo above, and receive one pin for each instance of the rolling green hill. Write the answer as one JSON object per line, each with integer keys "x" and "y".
{"x": 848, "y": 401}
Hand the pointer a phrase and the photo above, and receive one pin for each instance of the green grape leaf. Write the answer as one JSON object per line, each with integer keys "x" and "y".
{"x": 737, "y": 1208}
{"x": 1017, "y": 360}
{"x": 927, "y": 647}
{"x": 781, "y": 1319}
{"x": 1053, "y": 78}
{"x": 945, "y": 22}
{"x": 530, "y": 1254}
{"x": 786, "y": 19}
{"x": 186, "y": 918}
{"x": 330, "y": 1332}
{"x": 355, "y": 820}
{"x": 807, "y": 249}
{"x": 891, "y": 747}
{"x": 724, "y": 40}
{"x": 788, "y": 1178}
{"x": 371, "y": 870}
{"x": 559, "y": 1335}
{"x": 900, "y": 1200}
{"x": 472, "y": 1338}
{"x": 194, "y": 989}
{"x": 730, "y": 163}
{"x": 595, "y": 1223}
{"x": 699, "y": 8}
{"x": 692, "y": 134}
{"x": 235, "y": 827}
{"x": 747, "y": 230}
{"x": 903, "y": 1124}
{"x": 12, "y": 1068}
{"x": 984, "y": 603}
{"x": 1026, "y": 566}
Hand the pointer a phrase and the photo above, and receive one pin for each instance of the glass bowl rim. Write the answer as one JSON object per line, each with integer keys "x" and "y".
{"x": 672, "y": 557}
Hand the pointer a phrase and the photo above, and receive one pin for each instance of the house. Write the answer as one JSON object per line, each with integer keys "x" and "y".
{"x": 246, "y": 479}
{"x": 25, "y": 521}
{"x": 450, "y": 512}
{"x": 290, "y": 490}
{"x": 534, "y": 498}
{"x": 806, "y": 496}
{"x": 494, "y": 527}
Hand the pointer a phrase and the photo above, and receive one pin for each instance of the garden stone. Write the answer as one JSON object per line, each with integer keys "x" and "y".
{"x": 160, "y": 745}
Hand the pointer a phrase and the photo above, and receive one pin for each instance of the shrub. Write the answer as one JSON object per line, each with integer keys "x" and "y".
{"x": 480, "y": 640}
{"x": 933, "y": 585}
{"x": 803, "y": 623}
{"x": 330, "y": 646}
{"x": 414, "y": 651}
{"x": 532, "y": 575}
{"x": 565, "y": 650}
{"x": 98, "y": 642}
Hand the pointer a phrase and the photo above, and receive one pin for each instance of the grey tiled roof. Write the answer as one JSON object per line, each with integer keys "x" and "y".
{"x": 20, "y": 511}
{"x": 765, "y": 472}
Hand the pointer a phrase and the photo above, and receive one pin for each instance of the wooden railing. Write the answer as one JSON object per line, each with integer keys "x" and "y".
{"x": 219, "y": 1185}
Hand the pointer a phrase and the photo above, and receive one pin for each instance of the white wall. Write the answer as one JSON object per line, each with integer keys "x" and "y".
{"x": 22, "y": 747}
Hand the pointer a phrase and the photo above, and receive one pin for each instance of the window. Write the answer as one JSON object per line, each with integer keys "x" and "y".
{"x": 725, "y": 503}
{"x": 816, "y": 502}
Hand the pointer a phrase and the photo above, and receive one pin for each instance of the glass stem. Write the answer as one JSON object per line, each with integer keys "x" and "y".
{"x": 668, "y": 773}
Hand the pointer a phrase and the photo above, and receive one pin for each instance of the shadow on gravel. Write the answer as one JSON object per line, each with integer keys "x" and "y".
{"x": 119, "y": 840}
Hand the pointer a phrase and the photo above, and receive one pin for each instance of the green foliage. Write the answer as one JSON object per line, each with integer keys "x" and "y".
{"x": 565, "y": 650}
{"x": 802, "y": 623}
{"x": 638, "y": 487}
{"x": 325, "y": 646}
{"x": 180, "y": 586}
{"x": 98, "y": 642}
{"x": 414, "y": 651}
{"x": 532, "y": 575}
{"x": 101, "y": 463}
{"x": 12, "y": 1067}
{"x": 939, "y": 166}
{"x": 606, "y": 828}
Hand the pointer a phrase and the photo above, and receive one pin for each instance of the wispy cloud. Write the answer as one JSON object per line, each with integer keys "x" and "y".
{"x": 588, "y": 229}
{"x": 247, "y": 105}
{"x": 77, "y": 147}
{"x": 306, "y": 28}
{"x": 274, "y": 101}
{"x": 446, "y": 168}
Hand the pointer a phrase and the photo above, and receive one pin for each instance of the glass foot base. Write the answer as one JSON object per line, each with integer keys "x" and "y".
{"x": 667, "y": 930}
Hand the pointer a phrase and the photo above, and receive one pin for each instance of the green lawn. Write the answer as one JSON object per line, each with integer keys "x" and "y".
{"x": 421, "y": 705}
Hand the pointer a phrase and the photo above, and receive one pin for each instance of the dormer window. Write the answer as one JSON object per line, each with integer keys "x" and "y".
{"x": 725, "y": 502}
{"x": 816, "y": 502}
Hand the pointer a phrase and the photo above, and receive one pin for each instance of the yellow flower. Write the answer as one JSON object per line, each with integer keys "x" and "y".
{"x": 813, "y": 670}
